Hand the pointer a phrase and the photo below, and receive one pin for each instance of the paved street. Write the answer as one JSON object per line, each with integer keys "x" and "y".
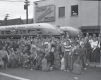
{"x": 26, "y": 74}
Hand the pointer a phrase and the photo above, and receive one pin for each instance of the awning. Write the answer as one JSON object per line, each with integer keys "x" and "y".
{"x": 89, "y": 27}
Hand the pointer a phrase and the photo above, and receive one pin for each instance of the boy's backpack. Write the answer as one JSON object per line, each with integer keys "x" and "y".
{"x": 77, "y": 67}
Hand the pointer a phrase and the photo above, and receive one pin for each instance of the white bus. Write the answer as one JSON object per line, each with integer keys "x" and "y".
{"x": 34, "y": 30}
{"x": 28, "y": 30}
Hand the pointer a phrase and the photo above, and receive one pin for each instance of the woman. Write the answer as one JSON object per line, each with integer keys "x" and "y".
{"x": 11, "y": 58}
{"x": 88, "y": 48}
{"x": 94, "y": 46}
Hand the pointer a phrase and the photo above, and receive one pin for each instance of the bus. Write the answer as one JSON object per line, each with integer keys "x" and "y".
{"x": 28, "y": 30}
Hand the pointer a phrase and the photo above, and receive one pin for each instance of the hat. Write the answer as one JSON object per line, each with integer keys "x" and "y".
{"x": 46, "y": 43}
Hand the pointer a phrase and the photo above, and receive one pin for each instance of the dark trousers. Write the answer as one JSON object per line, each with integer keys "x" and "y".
{"x": 66, "y": 56}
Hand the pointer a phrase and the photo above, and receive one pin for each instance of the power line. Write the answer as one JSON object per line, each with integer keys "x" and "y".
{"x": 12, "y": 0}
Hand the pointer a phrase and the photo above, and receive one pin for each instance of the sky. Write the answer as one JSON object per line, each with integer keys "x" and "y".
{"x": 15, "y": 9}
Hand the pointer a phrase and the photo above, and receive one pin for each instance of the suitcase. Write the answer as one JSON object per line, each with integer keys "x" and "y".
{"x": 62, "y": 64}
{"x": 1, "y": 62}
{"x": 77, "y": 67}
{"x": 44, "y": 64}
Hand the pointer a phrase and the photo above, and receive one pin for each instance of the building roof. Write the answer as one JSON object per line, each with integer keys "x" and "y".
{"x": 12, "y": 22}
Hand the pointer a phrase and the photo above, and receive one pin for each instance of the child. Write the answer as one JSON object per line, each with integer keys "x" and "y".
{"x": 4, "y": 56}
{"x": 83, "y": 55}
{"x": 77, "y": 62}
{"x": 11, "y": 58}
{"x": 33, "y": 57}
{"x": 17, "y": 56}
{"x": 26, "y": 60}
{"x": 57, "y": 59}
{"x": 48, "y": 57}
{"x": 67, "y": 50}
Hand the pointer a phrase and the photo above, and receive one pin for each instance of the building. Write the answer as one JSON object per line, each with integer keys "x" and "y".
{"x": 16, "y": 21}
{"x": 85, "y": 15}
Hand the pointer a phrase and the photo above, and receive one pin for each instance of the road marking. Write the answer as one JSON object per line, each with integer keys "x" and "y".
{"x": 11, "y": 76}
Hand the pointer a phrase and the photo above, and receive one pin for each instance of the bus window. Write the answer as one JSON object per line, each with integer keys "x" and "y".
{"x": 2, "y": 32}
{"x": 7, "y": 32}
{"x": 13, "y": 32}
{"x": 39, "y": 31}
{"x": 17, "y": 32}
{"x": 31, "y": 31}
{"x": 23, "y": 31}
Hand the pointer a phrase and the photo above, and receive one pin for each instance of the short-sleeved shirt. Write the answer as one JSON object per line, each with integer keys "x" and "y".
{"x": 3, "y": 54}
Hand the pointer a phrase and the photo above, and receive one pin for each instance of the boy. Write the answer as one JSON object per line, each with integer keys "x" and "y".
{"x": 67, "y": 49}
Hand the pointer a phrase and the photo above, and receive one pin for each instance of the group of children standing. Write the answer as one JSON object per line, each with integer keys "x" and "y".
{"x": 46, "y": 54}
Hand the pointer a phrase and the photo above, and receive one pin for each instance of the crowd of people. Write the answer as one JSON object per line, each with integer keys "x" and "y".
{"x": 51, "y": 53}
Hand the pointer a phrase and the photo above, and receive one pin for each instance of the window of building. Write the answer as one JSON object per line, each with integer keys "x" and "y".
{"x": 61, "y": 11}
{"x": 74, "y": 10}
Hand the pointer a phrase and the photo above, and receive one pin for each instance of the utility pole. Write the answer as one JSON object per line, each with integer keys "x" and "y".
{"x": 6, "y": 18}
{"x": 99, "y": 22}
{"x": 26, "y": 8}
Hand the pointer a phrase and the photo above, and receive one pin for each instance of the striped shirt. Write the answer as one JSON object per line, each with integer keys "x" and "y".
{"x": 67, "y": 48}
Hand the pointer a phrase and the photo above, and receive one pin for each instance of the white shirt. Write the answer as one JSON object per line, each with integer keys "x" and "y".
{"x": 94, "y": 44}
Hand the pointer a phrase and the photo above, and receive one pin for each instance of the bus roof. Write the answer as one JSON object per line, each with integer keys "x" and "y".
{"x": 36, "y": 25}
